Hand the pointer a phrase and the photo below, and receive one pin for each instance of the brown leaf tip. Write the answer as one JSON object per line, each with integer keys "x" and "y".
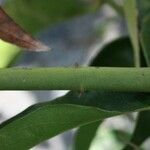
{"x": 39, "y": 47}
{"x": 13, "y": 33}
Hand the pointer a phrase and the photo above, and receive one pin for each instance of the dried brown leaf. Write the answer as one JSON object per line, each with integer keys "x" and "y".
{"x": 13, "y": 33}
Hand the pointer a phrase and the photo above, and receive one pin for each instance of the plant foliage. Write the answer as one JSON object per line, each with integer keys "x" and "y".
{"x": 96, "y": 94}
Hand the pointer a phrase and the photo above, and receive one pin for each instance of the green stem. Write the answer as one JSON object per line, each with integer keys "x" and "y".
{"x": 110, "y": 79}
{"x": 131, "y": 14}
{"x": 137, "y": 62}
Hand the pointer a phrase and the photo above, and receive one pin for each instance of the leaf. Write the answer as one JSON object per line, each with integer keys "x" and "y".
{"x": 34, "y": 15}
{"x": 8, "y": 53}
{"x": 141, "y": 132}
{"x": 121, "y": 136}
{"x": 118, "y": 53}
{"x": 144, "y": 20}
{"x": 131, "y": 14}
{"x": 85, "y": 136}
{"x": 143, "y": 9}
{"x": 47, "y": 120}
{"x": 145, "y": 36}
{"x": 13, "y": 33}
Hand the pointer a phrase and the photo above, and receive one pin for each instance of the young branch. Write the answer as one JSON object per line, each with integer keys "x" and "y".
{"x": 110, "y": 79}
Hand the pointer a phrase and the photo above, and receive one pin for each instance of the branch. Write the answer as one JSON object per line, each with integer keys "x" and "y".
{"x": 90, "y": 78}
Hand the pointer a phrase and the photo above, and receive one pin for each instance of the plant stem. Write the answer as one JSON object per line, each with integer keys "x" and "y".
{"x": 131, "y": 14}
{"x": 110, "y": 79}
{"x": 137, "y": 61}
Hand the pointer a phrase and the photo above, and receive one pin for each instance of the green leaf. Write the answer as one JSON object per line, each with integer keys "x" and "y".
{"x": 131, "y": 14}
{"x": 85, "y": 135}
{"x": 118, "y": 53}
{"x": 8, "y": 53}
{"x": 144, "y": 20}
{"x": 141, "y": 132}
{"x": 34, "y": 15}
{"x": 145, "y": 36}
{"x": 121, "y": 136}
{"x": 47, "y": 120}
{"x": 143, "y": 8}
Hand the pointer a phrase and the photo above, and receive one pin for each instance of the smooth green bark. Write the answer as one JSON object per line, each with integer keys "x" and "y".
{"x": 89, "y": 78}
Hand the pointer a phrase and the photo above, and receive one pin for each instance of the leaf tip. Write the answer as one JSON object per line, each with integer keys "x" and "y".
{"x": 39, "y": 47}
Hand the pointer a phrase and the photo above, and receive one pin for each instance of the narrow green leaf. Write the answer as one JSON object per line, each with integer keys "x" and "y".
{"x": 46, "y": 120}
{"x": 85, "y": 135}
{"x": 143, "y": 9}
{"x": 144, "y": 22}
{"x": 33, "y": 15}
{"x": 145, "y": 36}
{"x": 131, "y": 13}
{"x": 141, "y": 132}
